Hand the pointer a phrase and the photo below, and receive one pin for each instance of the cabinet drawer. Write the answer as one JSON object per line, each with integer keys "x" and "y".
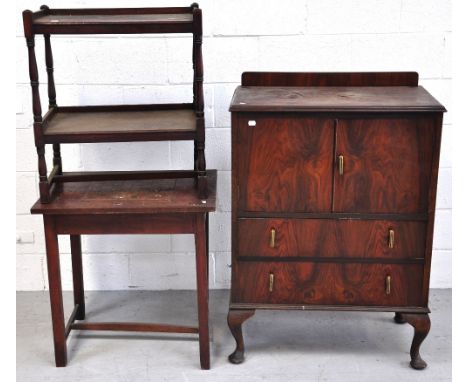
{"x": 385, "y": 239}
{"x": 328, "y": 284}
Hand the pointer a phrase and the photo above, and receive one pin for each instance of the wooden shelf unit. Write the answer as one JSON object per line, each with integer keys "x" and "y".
{"x": 121, "y": 123}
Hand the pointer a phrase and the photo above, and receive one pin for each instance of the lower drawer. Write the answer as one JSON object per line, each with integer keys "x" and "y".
{"x": 348, "y": 238}
{"x": 327, "y": 283}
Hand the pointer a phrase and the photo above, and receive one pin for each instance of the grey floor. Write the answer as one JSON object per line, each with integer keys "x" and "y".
{"x": 280, "y": 346}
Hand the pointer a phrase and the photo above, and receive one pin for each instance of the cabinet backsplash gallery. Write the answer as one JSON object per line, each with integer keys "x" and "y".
{"x": 334, "y": 180}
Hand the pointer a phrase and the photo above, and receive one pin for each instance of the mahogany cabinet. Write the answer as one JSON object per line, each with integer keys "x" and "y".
{"x": 334, "y": 180}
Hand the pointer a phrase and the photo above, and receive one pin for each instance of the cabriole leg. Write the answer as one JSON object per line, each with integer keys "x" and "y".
{"x": 398, "y": 318}
{"x": 235, "y": 320}
{"x": 422, "y": 325}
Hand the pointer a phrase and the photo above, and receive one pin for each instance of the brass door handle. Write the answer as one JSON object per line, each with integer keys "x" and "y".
{"x": 341, "y": 164}
{"x": 272, "y": 280}
{"x": 391, "y": 238}
{"x": 388, "y": 281}
{"x": 272, "y": 238}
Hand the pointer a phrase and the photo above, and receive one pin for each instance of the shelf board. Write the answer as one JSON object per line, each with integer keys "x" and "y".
{"x": 111, "y": 21}
{"x": 88, "y": 124}
{"x": 130, "y": 196}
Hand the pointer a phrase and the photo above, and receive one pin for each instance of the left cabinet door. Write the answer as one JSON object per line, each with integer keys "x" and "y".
{"x": 284, "y": 163}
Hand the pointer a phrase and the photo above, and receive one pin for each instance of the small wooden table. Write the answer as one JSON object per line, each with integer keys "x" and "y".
{"x": 132, "y": 206}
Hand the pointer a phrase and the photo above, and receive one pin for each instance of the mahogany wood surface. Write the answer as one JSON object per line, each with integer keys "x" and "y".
{"x": 103, "y": 126}
{"x": 343, "y": 168}
{"x": 77, "y": 271}
{"x": 113, "y": 20}
{"x": 143, "y": 196}
{"x": 119, "y": 202}
{"x": 286, "y": 163}
{"x": 201, "y": 247}
{"x": 133, "y": 327}
{"x": 55, "y": 291}
{"x": 90, "y": 19}
{"x": 387, "y": 164}
{"x": 120, "y": 123}
{"x": 345, "y": 238}
{"x": 333, "y": 99}
{"x": 422, "y": 325}
{"x": 87, "y": 176}
{"x": 329, "y": 79}
{"x": 235, "y": 320}
{"x": 328, "y": 283}
{"x": 93, "y": 222}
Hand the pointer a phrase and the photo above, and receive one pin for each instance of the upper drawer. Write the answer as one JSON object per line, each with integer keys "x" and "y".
{"x": 284, "y": 163}
{"x": 384, "y": 239}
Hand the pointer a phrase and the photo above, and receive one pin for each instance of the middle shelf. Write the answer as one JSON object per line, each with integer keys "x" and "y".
{"x": 120, "y": 123}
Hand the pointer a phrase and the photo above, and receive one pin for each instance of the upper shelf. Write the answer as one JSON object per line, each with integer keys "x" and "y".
{"x": 113, "y": 21}
{"x": 89, "y": 124}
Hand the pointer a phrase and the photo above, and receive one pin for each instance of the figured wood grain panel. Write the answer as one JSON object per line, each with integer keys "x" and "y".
{"x": 331, "y": 238}
{"x": 387, "y": 165}
{"x": 285, "y": 164}
{"x": 328, "y": 284}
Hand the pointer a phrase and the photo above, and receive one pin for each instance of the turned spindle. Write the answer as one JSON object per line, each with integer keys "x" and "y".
{"x": 199, "y": 104}
{"x": 37, "y": 111}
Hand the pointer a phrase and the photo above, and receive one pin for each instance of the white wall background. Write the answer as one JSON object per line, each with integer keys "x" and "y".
{"x": 315, "y": 35}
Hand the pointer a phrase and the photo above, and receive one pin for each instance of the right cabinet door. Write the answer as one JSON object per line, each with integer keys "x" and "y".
{"x": 383, "y": 165}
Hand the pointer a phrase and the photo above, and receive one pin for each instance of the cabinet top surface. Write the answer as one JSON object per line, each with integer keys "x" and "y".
{"x": 130, "y": 197}
{"x": 334, "y": 99}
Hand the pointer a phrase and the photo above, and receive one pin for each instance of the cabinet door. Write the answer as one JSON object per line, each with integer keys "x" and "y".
{"x": 383, "y": 165}
{"x": 284, "y": 163}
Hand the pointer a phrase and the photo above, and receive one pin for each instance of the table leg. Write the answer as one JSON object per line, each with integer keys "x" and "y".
{"x": 77, "y": 269}
{"x": 55, "y": 291}
{"x": 201, "y": 234}
{"x": 207, "y": 230}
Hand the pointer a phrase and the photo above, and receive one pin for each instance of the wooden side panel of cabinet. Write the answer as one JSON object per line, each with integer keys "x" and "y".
{"x": 385, "y": 240}
{"x": 285, "y": 163}
{"x": 328, "y": 284}
{"x": 386, "y": 164}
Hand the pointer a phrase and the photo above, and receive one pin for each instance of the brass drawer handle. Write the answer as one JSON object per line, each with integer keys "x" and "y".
{"x": 341, "y": 164}
{"x": 272, "y": 238}
{"x": 272, "y": 280}
{"x": 391, "y": 238}
{"x": 388, "y": 281}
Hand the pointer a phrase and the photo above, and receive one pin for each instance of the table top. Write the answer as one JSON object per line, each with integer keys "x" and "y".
{"x": 334, "y": 99}
{"x": 146, "y": 196}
